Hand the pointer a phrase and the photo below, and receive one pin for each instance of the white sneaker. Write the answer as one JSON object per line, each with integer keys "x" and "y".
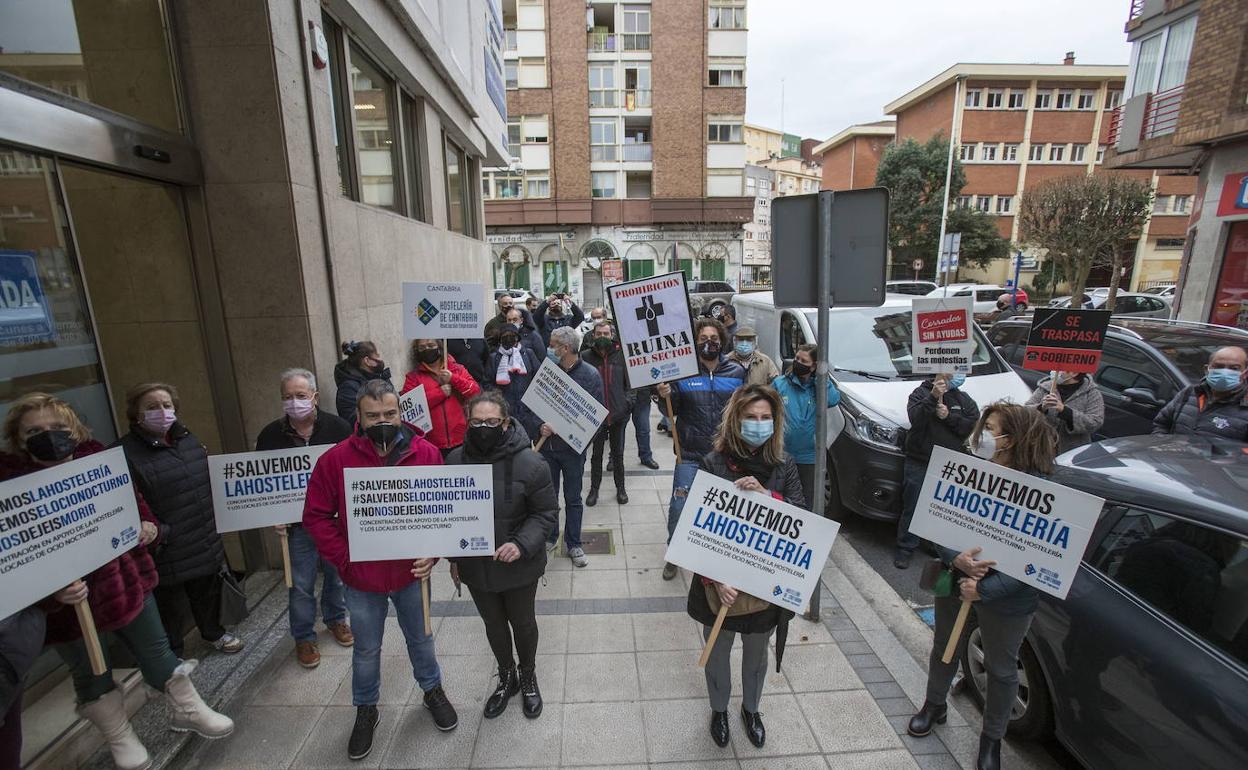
{"x": 577, "y": 555}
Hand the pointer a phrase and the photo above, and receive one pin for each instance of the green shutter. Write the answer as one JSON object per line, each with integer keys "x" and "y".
{"x": 640, "y": 268}
{"x": 713, "y": 270}
{"x": 554, "y": 277}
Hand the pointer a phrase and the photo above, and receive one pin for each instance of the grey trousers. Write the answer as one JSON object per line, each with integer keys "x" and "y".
{"x": 1002, "y": 636}
{"x": 719, "y": 670}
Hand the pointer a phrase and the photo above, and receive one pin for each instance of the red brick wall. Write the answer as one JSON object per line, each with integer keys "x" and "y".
{"x": 836, "y": 167}
{"x": 991, "y": 179}
{"x": 1061, "y": 126}
{"x": 923, "y": 120}
{"x": 994, "y": 125}
{"x": 868, "y": 151}
{"x": 1214, "y": 103}
{"x": 565, "y": 26}
{"x": 679, "y": 71}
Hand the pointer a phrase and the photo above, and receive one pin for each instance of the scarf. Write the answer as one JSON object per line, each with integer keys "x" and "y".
{"x": 510, "y": 362}
{"x": 752, "y": 465}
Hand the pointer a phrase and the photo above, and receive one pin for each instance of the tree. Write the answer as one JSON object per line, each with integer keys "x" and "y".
{"x": 1084, "y": 220}
{"x": 915, "y": 177}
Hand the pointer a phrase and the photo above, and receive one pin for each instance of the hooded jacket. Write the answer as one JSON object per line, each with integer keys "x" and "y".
{"x": 1193, "y": 410}
{"x": 326, "y": 502}
{"x": 927, "y": 430}
{"x": 445, "y": 412}
{"x": 617, "y": 398}
{"x": 526, "y": 512}
{"x": 173, "y": 478}
{"x": 350, "y": 379}
{"x": 115, "y": 591}
{"x": 698, "y": 404}
{"x": 1083, "y": 415}
{"x": 799, "y": 414}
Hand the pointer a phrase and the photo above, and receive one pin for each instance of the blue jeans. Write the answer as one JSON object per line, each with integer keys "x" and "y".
{"x": 641, "y": 427}
{"x": 570, "y": 466}
{"x": 304, "y": 561}
{"x": 368, "y": 622}
{"x": 912, "y": 474}
{"x": 682, "y": 479}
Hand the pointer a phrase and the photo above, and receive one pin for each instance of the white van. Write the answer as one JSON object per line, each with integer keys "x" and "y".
{"x": 870, "y": 356}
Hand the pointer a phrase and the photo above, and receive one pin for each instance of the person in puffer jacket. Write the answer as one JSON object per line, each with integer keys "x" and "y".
{"x": 511, "y": 368}
{"x": 606, "y": 357}
{"x": 1215, "y": 406}
{"x": 42, "y": 431}
{"x": 361, "y": 364}
{"x": 448, "y": 386}
{"x": 380, "y": 440}
{"x": 698, "y": 404}
{"x": 1073, "y": 407}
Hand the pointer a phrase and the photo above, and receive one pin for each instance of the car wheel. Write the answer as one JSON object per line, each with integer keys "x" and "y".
{"x": 1031, "y": 716}
{"x": 832, "y": 507}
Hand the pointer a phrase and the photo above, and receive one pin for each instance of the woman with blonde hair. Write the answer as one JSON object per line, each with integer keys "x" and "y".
{"x": 42, "y": 431}
{"x": 748, "y": 450}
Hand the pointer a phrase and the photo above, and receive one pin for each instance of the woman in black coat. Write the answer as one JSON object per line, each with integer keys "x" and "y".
{"x": 361, "y": 364}
{"x": 526, "y": 513}
{"x": 170, "y": 469}
{"x": 748, "y": 450}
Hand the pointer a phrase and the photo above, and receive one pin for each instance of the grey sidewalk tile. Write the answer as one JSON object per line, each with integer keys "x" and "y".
{"x": 885, "y": 690}
{"x": 601, "y": 584}
{"x": 899, "y": 722}
{"x": 909, "y": 674}
{"x": 868, "y": 660}
{"x": 842, "y": 635}
{"x": 643, "y": 534}
{"x": 897, "y": 707}
{"x": 819, "y": 667}
{"x": 775, "y": 682}
{"x": 326, "y": 747}
{"x": 802, "y": 631}
{"x": 787, "y": 731}
{"x": 558, "y": 586}
{"x": 291, "y": 683}
{"x": 713, "y": 764}
{"x": 847, "y": 721}
{"x": 552, "y": 635}
{"x": 643, "y": 514}
{"x": 601, "y": 733}
{"x": 601, "y": 678}
{"x": 461, "y": 636}
{"x": 396, "y": 683}
{"x": 891, "y": 759}
{"x": 324, "y": 642}
{"x": 855, "y": 605}
{"x": 394, "y": 643}
{"x": 264, "y": 737}
{"x": 418, "y": 743}
{"x": 670, "y": 674}
{"x": 645, "y": 555}
{"x": 925, "y": 745}
{"x": 937, "y": 762}
{"x": 600, "y": 633}
{"x": 649, "y": 582}
{"x": 874, "y": 675}
{"x": 677, "y": 731}
{"x": 666, "y": 631}
{"x": 513, "y": 741}
{"x": 854, "y": 648}
{"x": 467, "y": 679}
{"x": 807, "y": 762}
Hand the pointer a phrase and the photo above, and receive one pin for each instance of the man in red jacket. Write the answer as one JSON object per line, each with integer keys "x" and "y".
{"x": 381, "y": 439}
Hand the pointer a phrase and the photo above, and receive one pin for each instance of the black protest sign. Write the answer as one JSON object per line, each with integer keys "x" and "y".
{"x": 1066, "y": 340}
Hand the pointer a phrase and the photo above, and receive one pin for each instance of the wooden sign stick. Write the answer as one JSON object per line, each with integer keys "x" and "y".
{"x": 424, "y": 600}
{"x": 540, "y": 443}
{"x": 671, "y": 421}
{"x": 90, "y": 638}
{"x": 710, "y": 640}
{"x": 285, "y": 539}
{"x": 956, "y": 634}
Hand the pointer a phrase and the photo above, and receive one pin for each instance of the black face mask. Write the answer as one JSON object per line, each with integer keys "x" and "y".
{"x": 51, "y": 446}
{"x": 382, "y": 434}
{"x": 379, "y": 368}
{"x": 800, "y": 369}
{"x": 603, "y": 344}
{"x": 483, "y": 440}
{"x": 428, "y": 356}
{"x": 509, "y": 341}
{"x": 709, "y": 349}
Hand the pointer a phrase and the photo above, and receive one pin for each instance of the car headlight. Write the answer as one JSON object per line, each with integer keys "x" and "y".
{"x": 871, "y": 428}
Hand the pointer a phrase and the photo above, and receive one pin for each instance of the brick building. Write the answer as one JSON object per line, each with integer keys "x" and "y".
{"x": 1187, "y": 110}
{"x": 1018, "y": 124}
{"x": 627, "y": 145}
{"x": 850, "y": 159}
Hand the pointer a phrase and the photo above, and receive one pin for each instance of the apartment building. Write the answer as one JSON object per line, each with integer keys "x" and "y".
{"x": 1186, "y": 109}
{"x": 625, "y": 141}
{"x": 850, "y": 159}
{"x": 1014, "y": 125}
{"x": 756, "y": 250}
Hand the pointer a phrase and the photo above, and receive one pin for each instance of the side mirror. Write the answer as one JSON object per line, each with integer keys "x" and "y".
{"x": 1142, "y": 396}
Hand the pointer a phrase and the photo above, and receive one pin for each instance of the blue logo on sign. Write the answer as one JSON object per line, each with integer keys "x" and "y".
{"x": 463, "y": 545}
{"x": 426, "y": 311}
{"x": 116, "y": 542}
{"x": 777, "y": 591}
{"x": 655, "y": 373}
{"x": 1030, "y": 569}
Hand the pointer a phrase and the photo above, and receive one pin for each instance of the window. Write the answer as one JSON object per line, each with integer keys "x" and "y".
{"x": 513, "y": 138}
{"x": 1077, "y": 153}
{"x": 372, "y": 100}
{"x": 603, "y": 139}
{"x": 726, "y": 73}
{"x": 995, "y": 98}
{"x": 967, "y": 152}
{"x": 1187, "y": 571}
{"x": 1018, "y": 100}
{"x": 723, "y": 133}
{"x": 602, "y": 184}
{"x": 636, "y": 85}
{"x": 1112, "y": 99}
{"x": 341, "y": 122}
{"x": 1178, "y": 54}
{"x": 509, "y": 40}
{"x": 1044, "y": 100}
{"x": 1035, "y": 153}
{"x": 988, "y": 152}
{"x": 1065, "y": 99}
{"x": 983, "y": 203}
{"x": 458, "y": 206}
{"x": 1056, "y": 153}
{"x": 1100, "y": 153}
{"x": 507, "y": 184}
{"x": 511, "y": 74}
{"x": 1011, "y": 341}
{"x": 1125, "y": 366}
{"x": 1005, "y": 204}
{"x": 535, "y": 129}
{"x": 727, "y": 14}
{"x": 1170, "y": 243}
{"x": 1161, "y": 204}
{"x": 602, "y": 91}
{"x": 1009, "y": 153}
{"x": 964, "y": 202}
{"x": 537, "y": 185}
{"x": 532, "y": 73}
{"x": 636, "y": 35}
{"x": 973, "y": 96}
{"x": 1181, "y": 203}
{"x": 413, "y": 159}
{"x": 723, "y": 182}
{"x": 1087, "y": 100}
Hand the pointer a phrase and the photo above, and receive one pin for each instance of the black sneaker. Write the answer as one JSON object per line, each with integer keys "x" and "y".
{"x": 651, "y": 464}
{"x": 444, "y": 716}
{"x": 361, "y": 743}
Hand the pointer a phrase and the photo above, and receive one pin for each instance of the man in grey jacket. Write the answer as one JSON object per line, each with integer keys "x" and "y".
{"x": 1074, "y": 408}
{"x": 1215, "y": 406}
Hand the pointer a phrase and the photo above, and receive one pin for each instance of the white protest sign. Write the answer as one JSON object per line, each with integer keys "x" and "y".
{"x": 442, "y": 311}
{"x": 260, "y": 489}
{"x": 656, "y": 331}
{"x": 1034, "y": 529}
{"x": 942, "y": 338}
{"x": 419, "y": 512}
{"x": 414, "y": 408}
{"x": 752, "y": 542}
{"x": 557, "y": 399}
{"x": 62, "y": 523}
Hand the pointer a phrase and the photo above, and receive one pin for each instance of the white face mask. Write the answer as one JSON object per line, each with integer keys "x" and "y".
{"x": 986, "y": 447}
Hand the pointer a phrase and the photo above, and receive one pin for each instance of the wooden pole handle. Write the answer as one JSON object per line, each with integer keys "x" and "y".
{"x": 710, "y": 640}
{"x": 285, "y": 539}
{"x": 956, "y": 634}
{"x": 424, "y": 600}
{"x": 541, "y": 442}
{"x": 671, "y": 422}
{"x": 86, "y": 621}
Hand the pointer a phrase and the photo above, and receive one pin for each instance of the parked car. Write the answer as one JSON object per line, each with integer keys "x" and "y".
{"x": 985, "y": 302}
{"x": 1166, "y": 290}
{"x": 1144, "y": 363}
{"x": 1128, "y": 303}
{"x": 1092, "y": 291}
{"x": 519, "y": 294}
{"x": 710, "y": 297}
{"x": 913, "y": 288}
{"x": 1145, "y": 663}
{"x": 869, "y": 351}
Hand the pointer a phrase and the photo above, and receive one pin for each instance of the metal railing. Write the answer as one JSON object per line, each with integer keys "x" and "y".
{"x": 602, "y": 42}
{"x": 627, "y": 98}
{"x": 636, "y": 98}
{"x": 635, "y": 42}
{"x": 604, "y": 152}
{"x": 1161, "y": 113}
{"x": 1137, "y": 8}
{"x": 1115, "y": 126}
{"x": 638, "y": 151}
{"x": 604, "y": 97}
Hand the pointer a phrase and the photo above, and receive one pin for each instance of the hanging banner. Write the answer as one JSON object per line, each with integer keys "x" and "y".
{"x": 942, "y": 337}
{"x": 556, "y": 398}
{"x": 752, "y": 542}
{"x": 443, "y": 311}
{"x": 261, "y": 489}
{"x": 655, "y": 328}
{"x": 1034, "y": 529}
{"x": 1063, "y": 340}
{"x": 419, "y": 512}
{"x": 414, "y": 408}
{"x": 62, "y": 523}
{"x": 612, "y": 271}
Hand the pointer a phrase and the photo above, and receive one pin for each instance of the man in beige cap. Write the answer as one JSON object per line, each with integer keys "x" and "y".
{"x": 759, "y": 369}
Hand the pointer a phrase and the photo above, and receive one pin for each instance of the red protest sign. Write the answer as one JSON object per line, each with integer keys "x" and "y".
{"x": 942, "y": 325}
{"x": 1066, "y": 340}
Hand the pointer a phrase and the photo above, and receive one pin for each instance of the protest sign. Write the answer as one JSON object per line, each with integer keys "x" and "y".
{"x": 414, "y": 408}
{"x": 420, "y": 512}
{"x": 1034, "y": 529}
{"x": 440, "y": 311}
{"x": 1066, "y": 340}
{"x": 655, "y": 328}
{"x": 942, "y": 340}
{"x": 261, "y": 489}
{"x": 612, "y": 271}
{"x": 557, "y": 399}
{"x": 752, "y": 542}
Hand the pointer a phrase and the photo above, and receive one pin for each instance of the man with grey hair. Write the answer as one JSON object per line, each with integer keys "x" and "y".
{"x": 596, "y": 316}
{"x": 305, "y": 424}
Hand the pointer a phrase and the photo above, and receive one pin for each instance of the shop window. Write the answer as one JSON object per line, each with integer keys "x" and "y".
{"x": 372, "y": 99}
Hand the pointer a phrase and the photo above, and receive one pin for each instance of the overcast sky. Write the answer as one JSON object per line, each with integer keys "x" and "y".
{"x": 843, "y": 60}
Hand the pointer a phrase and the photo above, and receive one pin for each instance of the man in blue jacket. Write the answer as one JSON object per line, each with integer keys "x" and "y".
{"x": 698, "y": 404}
{"x": 797, "y": 390}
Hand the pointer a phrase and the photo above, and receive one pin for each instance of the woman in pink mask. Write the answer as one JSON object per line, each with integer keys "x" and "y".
{"x": 170, "y": 469}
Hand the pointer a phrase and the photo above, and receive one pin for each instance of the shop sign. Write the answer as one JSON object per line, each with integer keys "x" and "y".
{"x": 673, "y": 235}
{"x": 1234, "y": 200}
{"x": 503, "y": 239}
{"x": 24, "y": 315}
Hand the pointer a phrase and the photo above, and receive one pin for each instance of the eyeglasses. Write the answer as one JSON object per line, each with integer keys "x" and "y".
{"x": 492, "y": 422}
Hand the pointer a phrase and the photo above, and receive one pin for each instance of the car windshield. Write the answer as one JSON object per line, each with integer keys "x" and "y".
{"x": 1189, "y": 349}
{"x": 876, "y": 340}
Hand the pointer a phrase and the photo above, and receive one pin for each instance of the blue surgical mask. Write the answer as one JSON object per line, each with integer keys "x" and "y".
{"x": 756, "y": 432}
{"x": 553, "y": 355}
{"x": 745, "y": 349}
{"x": 956, "y": 381}
{"x": 1223, "y": 379}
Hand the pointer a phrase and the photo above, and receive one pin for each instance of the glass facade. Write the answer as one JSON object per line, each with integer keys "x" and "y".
{"x": 1230, "y": 299}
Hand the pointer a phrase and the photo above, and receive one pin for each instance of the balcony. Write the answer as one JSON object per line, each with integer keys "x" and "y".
{"x": 1136, "y": 10}
{"x": 627, "y": 98}
{"x": 642, "y": 152}
{"x": 602, "y": 42}
{"x": 1115, "y": 126}
{"x": 636, "y": 98}
{"x": 1161, "y": 113}
{"x": 635, "y": 42}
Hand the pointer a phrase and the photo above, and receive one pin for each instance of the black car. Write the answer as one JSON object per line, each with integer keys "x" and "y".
{"x": 1145, "y": 663}
{"x": 1145, "y": 362}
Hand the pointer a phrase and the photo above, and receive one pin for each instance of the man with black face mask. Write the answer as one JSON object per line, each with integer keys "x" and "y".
{"x": 606, "y": 357}
{"x": 557, "y": 312}
{"x": 381, "y": 439}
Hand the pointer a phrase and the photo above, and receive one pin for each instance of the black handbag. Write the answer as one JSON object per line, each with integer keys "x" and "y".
{"x": 233, "y": 599}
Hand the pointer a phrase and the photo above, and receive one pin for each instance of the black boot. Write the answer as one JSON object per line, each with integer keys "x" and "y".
{"x": 530, "y": 695}
{"x": 592, "y": 498}
{"x": 719, "y": 728}
{"x": 754, "y": 729}
{"x": 508, "y": 685}
{"x": 361, "y": 741}
{"x": 621, "y": 496}
{"x": 989, "y": 754}
{"x": 930, "y": 715}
